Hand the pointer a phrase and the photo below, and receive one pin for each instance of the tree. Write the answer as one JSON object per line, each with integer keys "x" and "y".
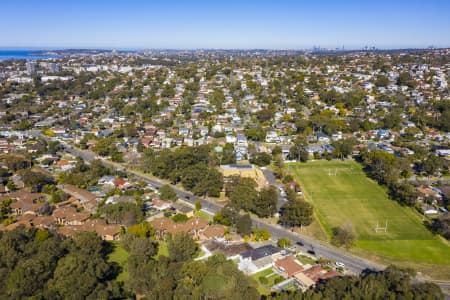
{"x": 264, "y": 115}
{"x": 405, "y": 78}
{"x": 260, "y": 234}
{"x": 16, "y": 162}
{"x": 123, "y": 213}
{"x": 343, "y": 148}
{"x": 198, "y": 205}
{"x": 166, "y": 192}
{"x": 180, "y": 218}
{"x": 432, "y": 164}
{"x": 283, "y": 242}
{"x": 227, "y": 216}
{"x": 192, "y": 176}
{"x": 296, "y": 213}
{"x": 382, "y": 81}
{"x": 244, "y": 225}
{"x": 404, "y": 193}
{"x": 298, "y": 152}
{"x": 140, "y": 246}
{"x": 277, "y": 150}
{"x": 256, "y": 133}
{"x": 84, "y": 272}
{"x": 35, "y": 180}
{"x": 441, "y": 225}
{"x": 5, "y": 209}
{"x": 228, "y": 154}
{"x": 345, "y": 235}
{"x": 181, "y": 247}
{"x": 265, "y": 204}
{"x": 142, "y": 230}
{"x": 40, "y": 264}
{"x": 244, "y": 195}
{"x": 261, "y": 159}
{"x": 391, "y": 283}
{"x": 209, "y": 185}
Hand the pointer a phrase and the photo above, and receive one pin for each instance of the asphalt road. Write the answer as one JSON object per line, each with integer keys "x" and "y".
{"x": 270, "y": 176}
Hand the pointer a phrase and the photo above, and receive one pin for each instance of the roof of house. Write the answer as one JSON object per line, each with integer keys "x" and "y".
{"x": 182, "y": 208}
{"x": 316, "y": 273}
{"x": 43, "y": 221}
{"x": 262, "y": 262}
{"x": 289, "y": 265}
{"x": 305, "y": 280}
{"x": 98, "y": 225}
{"x": 70, "y": 214}
{"x": 15, "y": 225}
{"x": 82, "y": 194}
{"x": 172, "y": 227}
{"x": 26, "y": 196}
{"x": 160, "y": 204}
{"x": 214, "y": 231}
{"x": 162, "y": 223}
{"x": 261, "y": 252}
{"x": 227, "y": 249}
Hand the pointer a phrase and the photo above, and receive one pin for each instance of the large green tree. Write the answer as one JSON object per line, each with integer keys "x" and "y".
{"x": 296, "y": 213}
{"x": 181, "y": 247}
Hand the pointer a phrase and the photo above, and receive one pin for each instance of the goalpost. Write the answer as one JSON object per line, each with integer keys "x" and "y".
{"x": 332, "y": 172}
{"x": 378, "y": 228}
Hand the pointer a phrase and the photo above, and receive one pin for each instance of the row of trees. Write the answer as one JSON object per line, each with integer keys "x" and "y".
{"x": 392, "y": 283}
{"x": 341, "y": 149}
{"x": 243, "y": 195}
{"x": 41, "y": 265}
{"x": 387, "y": 169}
{"x": 84, "y": 175}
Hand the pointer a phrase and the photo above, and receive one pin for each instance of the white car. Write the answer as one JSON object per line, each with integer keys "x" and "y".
{"x": 339, "y": 264}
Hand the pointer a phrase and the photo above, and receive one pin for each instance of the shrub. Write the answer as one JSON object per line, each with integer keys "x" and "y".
{"x": 278, "y": 279}
{"x": 263, "y": 280}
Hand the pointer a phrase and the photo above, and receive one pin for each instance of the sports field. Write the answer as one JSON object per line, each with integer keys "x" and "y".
{"x": 340, "y": 192}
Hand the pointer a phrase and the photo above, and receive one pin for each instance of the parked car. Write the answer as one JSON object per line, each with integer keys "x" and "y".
{"x": 339, "y": 264}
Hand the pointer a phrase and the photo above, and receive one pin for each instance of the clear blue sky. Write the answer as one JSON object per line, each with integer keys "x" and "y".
{"x": 276, "y": 24}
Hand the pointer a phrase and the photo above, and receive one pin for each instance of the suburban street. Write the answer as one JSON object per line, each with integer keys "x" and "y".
{"x": 303, "y": 243}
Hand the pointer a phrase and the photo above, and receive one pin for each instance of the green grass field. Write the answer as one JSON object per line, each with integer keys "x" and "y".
{"x": 264, "y": 273}
{"x": 120, "y": 256}
{"x": 352, "y": 196}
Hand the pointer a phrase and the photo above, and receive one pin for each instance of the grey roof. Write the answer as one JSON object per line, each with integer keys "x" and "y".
{"x": 261, "y": 252}
{"x": 182, "y": 208}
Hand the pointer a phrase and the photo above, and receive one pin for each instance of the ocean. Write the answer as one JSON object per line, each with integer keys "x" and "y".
{"x": 21, "y": 54}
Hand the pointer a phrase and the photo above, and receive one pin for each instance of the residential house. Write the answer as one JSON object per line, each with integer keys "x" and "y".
{"x": 258, "y": 259}
{"x": 68, "y": 215}
{"x": 288, "y": 266}
{"x": 182, "y": 209}
{"x": 194, "y": 226}
{"x": 160, "y": 204}
{"x": 26, "y": 202}
{"x": 108, "y": 232}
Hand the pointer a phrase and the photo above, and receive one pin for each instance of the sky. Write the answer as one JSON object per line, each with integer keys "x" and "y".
{"x": 276, "y": 24}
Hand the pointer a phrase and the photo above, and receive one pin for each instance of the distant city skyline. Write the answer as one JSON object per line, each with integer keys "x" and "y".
{"x": 283, "y": 24}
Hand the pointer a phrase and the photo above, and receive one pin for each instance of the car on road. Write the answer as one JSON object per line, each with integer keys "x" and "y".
{"x": 339, "y": 264}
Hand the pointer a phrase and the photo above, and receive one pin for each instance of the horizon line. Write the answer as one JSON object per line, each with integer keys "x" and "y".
{"x": 341, "y": 48}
